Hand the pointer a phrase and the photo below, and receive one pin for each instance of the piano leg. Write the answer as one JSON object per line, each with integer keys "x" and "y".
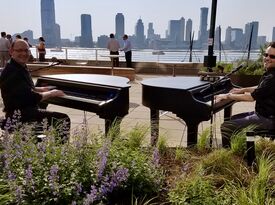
{"x": 154, "y": 126}
{"x": 113, "y": 125}
{"x": 227, "y": 113}
{"x": 192, "y": 133}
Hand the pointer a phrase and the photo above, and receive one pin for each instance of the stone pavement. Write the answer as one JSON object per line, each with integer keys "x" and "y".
{"x": 171, "y": 127}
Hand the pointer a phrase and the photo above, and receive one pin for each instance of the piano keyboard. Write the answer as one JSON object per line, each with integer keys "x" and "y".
{"x": 86, "y": 100}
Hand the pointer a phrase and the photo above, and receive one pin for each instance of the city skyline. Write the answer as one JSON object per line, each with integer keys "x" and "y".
{"x": 229, "y": 13}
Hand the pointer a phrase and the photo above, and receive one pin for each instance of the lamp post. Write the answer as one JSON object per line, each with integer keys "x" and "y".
{"x": 210, "y": 59}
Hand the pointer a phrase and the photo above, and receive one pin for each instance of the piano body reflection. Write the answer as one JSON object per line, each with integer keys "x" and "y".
{"x": 187, "y": 97}
{"x": 107, "y": 96}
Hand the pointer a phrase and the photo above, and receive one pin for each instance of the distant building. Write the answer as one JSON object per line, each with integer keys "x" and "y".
{"x": 86, "y": 38}
{"x": 120, "y": 28}
{"x": 261, "y": 41}
{"x": 50, "y": 30}
{"x": 273, "y": 34}
{"x": 102, "y": 41}
{"x": 176, "y": 30}
{"x": 139, "y": 35}
{"x": 150, "y": 31}
{"x": 188, "y": 30}
{"x": 203, "y": 34}
{"x": 237, "y": 37}
{"x": 247, "y": 33}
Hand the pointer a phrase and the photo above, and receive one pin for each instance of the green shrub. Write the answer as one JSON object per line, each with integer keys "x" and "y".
{"x": 48, "y": 172}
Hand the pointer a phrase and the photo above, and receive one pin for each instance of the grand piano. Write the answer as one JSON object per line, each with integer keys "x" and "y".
{"x": 107, "y": 96}
{"x": 187, "y": 97}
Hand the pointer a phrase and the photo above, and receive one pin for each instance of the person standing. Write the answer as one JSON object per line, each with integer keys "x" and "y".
{"x": 20, "y": 95}
{"x": 113, "y": 46}
{"x": 264, "y": 94}
{"x": 127, "y": 48}
{"x": 4, "y": 49}
{"x": 31, "y": 58}
{"x": 41, "y": 48}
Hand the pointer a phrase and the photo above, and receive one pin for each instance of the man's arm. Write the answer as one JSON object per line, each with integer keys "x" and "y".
{"x": 243, "y": 90}
{"x": 52, "y": 93}
{"x": 237, "y": 97}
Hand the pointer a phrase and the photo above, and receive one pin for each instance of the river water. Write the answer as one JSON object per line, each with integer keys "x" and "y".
{"x": 148, "y": 55}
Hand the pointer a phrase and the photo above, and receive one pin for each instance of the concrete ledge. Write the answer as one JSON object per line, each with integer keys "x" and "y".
{"x": 45, "y": 69}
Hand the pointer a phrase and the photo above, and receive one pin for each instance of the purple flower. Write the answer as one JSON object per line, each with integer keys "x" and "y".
{"x": 92, "y": 197}
{"x": 28, "y": 173}
{"x": 11, "y": 175}
{"x": 18, "y": 194}
{"x": 156, "y": 157}
{"x": 78, "y": 188}
{"x": 53, "y": 178}
{"x": 102, "y": 155}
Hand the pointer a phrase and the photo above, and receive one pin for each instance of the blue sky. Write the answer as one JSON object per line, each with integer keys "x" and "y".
{"x": 20, "y": 15}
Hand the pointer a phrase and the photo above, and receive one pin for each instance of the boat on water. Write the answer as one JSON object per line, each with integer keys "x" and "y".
{"x": 158, "y": 53}
{"x": 56, "y": 49}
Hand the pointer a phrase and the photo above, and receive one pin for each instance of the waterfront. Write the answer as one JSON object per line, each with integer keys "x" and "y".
{"x": 146, "y": 55}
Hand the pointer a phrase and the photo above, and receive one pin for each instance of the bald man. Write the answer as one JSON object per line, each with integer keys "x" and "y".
{"x": 20, "y": 94}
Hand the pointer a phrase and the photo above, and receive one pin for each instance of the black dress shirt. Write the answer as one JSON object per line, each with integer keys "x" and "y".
{"x": 17, "y": 88}
{"x": 264, "y": 95}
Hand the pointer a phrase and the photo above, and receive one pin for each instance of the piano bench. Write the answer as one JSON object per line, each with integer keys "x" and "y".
{"x": 250, "y": 142}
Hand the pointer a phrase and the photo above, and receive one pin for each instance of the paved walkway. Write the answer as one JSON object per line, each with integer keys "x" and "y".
{"x": 171, "y": 127}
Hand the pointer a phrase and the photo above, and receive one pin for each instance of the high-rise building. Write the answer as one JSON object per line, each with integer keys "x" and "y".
{"x": 119, "y": 26}
{"x": 50, "y": 30}
{"x": 188, "y": 29}
{"x": 176, "y": 30}
{"x": 86, "y": 38}
{"x": 273, "y": 34}
{"x": 228, "y": 37}
{"x": 253, "y": 28}
{"x": 139, "y": 34}
{"x": 202, "y": 38}
{"x": 150, "y": 31}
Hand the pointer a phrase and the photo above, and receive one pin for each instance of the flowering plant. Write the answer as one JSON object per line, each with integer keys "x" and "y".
{"x": 77, "y": 172}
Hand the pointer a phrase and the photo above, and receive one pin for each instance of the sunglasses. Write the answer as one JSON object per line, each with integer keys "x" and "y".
{"x": 270, "y": 56}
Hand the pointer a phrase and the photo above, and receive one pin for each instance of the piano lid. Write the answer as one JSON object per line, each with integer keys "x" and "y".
{"x": 182, "y": 83}
{"x": 115, "y": 81}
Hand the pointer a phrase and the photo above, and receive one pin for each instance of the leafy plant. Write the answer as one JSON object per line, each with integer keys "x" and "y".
{"x": 81, "y": 172}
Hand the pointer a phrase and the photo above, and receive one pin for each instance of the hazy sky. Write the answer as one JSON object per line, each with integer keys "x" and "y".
{"x": 20, "y": 15}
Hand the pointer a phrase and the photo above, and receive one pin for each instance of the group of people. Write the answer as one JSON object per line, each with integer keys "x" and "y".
{"x": 6, "y": 42}
{"x": 114, "y": 48}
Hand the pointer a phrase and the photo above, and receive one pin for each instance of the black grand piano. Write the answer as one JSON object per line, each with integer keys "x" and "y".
{"x": 187, "y": 97}
{"x": 107, "y": 96}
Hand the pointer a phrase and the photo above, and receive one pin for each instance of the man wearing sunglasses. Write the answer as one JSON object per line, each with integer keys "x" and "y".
{"x": 264, "y": 94}
{"x": 21, "y": 96}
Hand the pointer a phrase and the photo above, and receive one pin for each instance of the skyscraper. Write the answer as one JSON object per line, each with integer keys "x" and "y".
{"x": 188, "y": 33}
{"x": 273, "y": 34}
{"x": 119, "y": 26}
{"x": 203, "y": 26}
{"x": 176, "y": 30}
{"x": 139, "y": 34}
{"x": 50, "y": 30}
{"x": 86, "y": 38}
{"x": 254, "y": 28}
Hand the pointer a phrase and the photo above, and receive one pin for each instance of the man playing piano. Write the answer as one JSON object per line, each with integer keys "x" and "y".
{"x": 264, "y": 95}
{"x": 20, "y": 94}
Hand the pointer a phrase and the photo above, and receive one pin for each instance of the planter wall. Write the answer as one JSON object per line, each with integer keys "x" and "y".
{"x": 245, "y": 80}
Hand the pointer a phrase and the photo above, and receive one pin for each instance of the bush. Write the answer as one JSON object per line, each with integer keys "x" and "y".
{"x": 79, "y": 172}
